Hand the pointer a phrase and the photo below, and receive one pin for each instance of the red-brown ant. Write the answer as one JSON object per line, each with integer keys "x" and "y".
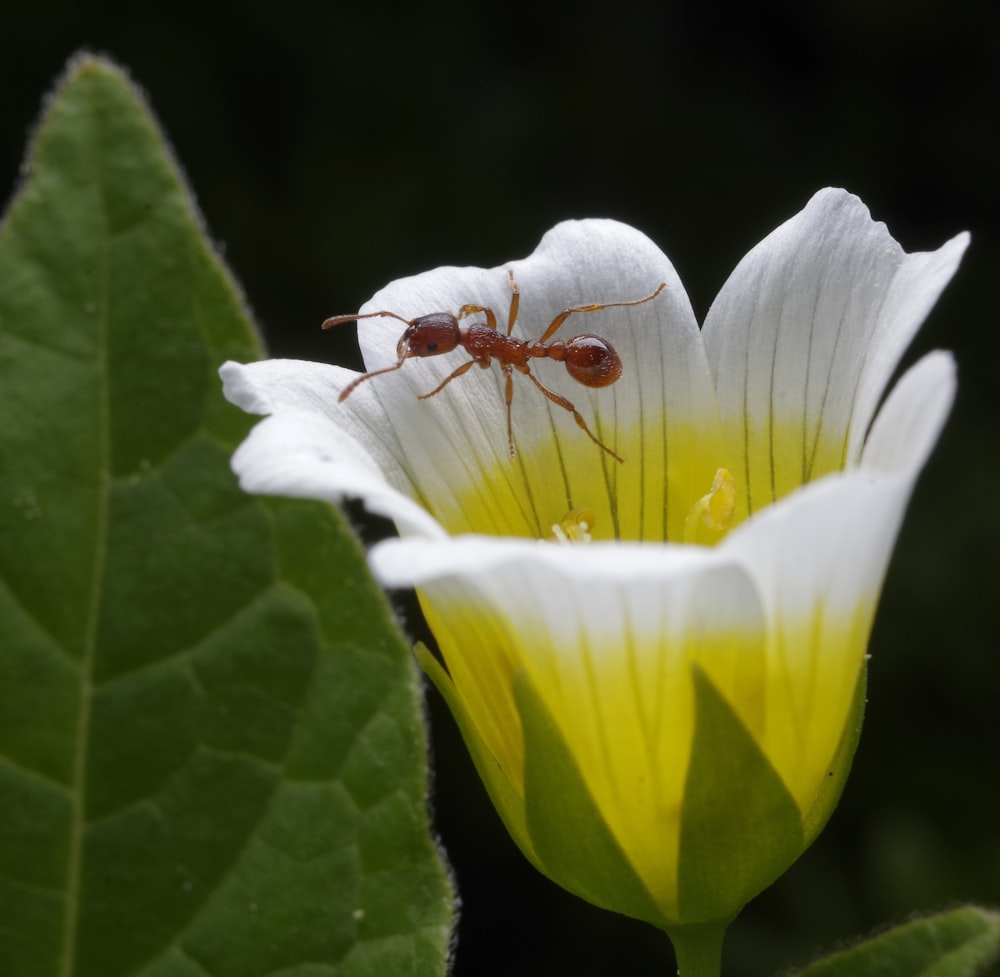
{"x": 589, "y": 360}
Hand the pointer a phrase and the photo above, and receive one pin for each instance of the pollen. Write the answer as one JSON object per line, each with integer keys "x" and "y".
{"x": 574, "y": 527}
{"x": 714, "y": 510}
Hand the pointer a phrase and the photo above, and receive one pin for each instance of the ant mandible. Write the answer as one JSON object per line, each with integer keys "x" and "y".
{"x": 589, "y": 359}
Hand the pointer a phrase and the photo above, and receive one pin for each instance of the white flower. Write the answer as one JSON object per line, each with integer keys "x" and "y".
{"x": 628, "y": 670}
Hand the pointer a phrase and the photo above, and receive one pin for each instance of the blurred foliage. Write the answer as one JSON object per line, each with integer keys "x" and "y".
{"x": 956, "y": 942}
{"x": 336, "y": 146}
{"x": 211, "y": 749}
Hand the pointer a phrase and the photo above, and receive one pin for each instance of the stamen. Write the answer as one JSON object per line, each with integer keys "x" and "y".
{"x": 574, "y": 527}
{"x": 716, "y": 509}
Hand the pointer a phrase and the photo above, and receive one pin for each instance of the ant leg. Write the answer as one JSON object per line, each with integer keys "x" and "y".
{"x": 467, "y": 310}
{"x": 509, "y": 397}
{"x": 515, "y": 301}
{"x": 566, "y": 405}
{"x": 566, "y": 313}
{"x": 349, "y": 389}
{"x": 464, "y": 368}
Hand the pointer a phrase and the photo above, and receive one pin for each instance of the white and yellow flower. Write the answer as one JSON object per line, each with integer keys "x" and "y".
{"x": 657, "y": 665}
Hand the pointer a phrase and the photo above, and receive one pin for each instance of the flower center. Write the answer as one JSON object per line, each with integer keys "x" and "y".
{"x": 574, "y": 527}
{"x": 561, "y": 488}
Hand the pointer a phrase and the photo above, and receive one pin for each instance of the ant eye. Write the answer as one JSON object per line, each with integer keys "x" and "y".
{"x": 432, "y": 347}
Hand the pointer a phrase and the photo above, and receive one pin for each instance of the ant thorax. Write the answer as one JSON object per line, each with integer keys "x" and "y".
{"x": 484, "y": 344}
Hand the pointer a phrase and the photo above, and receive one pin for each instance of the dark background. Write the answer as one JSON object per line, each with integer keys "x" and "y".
{"x": 336, "y": 146}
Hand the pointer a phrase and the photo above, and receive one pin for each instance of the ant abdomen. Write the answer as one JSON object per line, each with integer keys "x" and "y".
{"x": 589, "y": 360}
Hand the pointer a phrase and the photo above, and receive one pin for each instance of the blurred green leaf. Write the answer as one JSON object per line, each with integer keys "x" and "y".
{"x": 958, "y": 943}
{"x": 211, "y": 752}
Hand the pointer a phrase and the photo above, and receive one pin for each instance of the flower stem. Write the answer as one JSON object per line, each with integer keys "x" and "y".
{"x": 699, "y": 948}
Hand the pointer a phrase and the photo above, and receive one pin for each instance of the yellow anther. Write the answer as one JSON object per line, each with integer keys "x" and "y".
{"x": 574, "y": 527}
{"x": 716, "y": 509}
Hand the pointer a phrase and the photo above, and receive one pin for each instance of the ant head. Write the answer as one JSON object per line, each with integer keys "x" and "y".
{"x": 429, "y": 335}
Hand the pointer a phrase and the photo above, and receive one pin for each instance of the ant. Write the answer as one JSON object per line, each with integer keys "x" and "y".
{"x": 589, "y": 359}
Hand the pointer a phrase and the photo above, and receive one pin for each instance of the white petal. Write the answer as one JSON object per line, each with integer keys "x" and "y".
{"x": 832, "y": 539}
{"x": 304, "y": 455}
{"x": 909, "y": 423}
{"x": 819, "y": 558}
{"x": 560, "y": 604}
{"x": 806, "y": 333}
{"x": 304, "y": 387}
{"x": 607, "y": 635}
{"x": 918, "y": 282}
{"x": 411, "y": 563}
{"x": 454, "y": 445}
{"x": 274, "y": 385}
{"x": 829, "y": 541}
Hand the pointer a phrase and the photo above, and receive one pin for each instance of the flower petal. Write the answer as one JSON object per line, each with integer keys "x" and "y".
{"x": 453, "y": 446}
{"x": 805, "y": 334}
{"x": 910, "y": 422}
{"x": 568, "y": 829}
{"x": 300, "y": 451}
{"x": 300, "y": 386}
{"x": 819, "y": 559}
{"x": 606, "y": 634}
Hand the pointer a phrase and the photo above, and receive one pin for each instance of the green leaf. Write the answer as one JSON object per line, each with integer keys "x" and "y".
{"x": 958, "y": 943}
{"x": 211, "y": 753}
